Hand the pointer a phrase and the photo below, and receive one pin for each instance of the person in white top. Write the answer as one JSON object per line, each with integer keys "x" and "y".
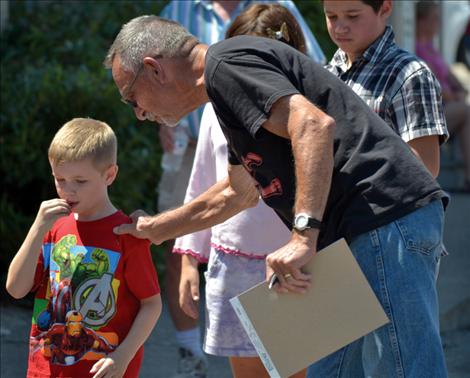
{"x": 236, "y": 249}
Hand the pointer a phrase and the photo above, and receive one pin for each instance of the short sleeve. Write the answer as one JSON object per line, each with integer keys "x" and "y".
{"x": 416, "y": 108}
{"x": 244, "y": 88}
{"x": 203, "y": 176}
{"x": 139, "y": 271}
{"x": 42, "y": 265}
{"x": 39, "y": 274}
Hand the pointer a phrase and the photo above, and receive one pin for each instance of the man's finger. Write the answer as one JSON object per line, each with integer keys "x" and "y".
{"x": 294, "y": 286}
{"x": 124, "y": 229}
{"x": 138, "y": 213}
{"x": 298, "y": 275}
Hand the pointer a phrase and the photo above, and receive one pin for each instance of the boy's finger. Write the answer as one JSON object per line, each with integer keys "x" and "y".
{"x": 96, "y": 366}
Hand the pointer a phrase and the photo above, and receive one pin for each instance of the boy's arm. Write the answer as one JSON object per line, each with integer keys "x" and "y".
{"x": 23, "y": 266}
{"x": 427, "y": 150}
{"x": 419, "y": 118}
{"x": 116, "y": 363}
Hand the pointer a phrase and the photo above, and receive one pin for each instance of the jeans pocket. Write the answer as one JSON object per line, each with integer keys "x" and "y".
{"x": 421, "y": 230}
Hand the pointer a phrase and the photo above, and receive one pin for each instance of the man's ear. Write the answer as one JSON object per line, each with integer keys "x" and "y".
{"x": 111, "y": 173}
{"x": 156, "y": 67}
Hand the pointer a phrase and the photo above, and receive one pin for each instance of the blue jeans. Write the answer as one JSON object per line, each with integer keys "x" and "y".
{"x": 400, "y": 261}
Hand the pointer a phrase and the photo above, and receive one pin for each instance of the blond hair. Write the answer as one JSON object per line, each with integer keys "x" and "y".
{"x": 84, "y": 138}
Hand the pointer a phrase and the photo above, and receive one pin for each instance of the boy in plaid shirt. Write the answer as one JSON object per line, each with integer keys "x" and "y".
{"x": 399, "y": 87}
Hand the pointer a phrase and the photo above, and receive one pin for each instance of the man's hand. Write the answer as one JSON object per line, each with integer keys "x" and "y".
{"x": 140, "y": 227}
{"x": 189, "y": 286}
{"x": 287, "y": 262}
{"x": 166, "y": 137}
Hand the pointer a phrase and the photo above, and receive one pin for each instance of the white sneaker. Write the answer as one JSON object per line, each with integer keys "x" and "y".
{"x": 190, "y": 366}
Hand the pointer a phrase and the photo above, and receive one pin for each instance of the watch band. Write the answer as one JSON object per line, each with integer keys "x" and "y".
{"x": 314, "y": 223}
{"x": 303, "y": 221}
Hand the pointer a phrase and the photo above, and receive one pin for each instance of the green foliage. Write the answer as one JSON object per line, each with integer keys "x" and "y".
{"x": 312, "y": 12}
{"x": 51, "y": 72}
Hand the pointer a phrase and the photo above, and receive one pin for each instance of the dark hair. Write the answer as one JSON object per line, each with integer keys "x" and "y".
{"x": 269, "y": 20}
{"x": 374, "y": 4}
{"x": 423, "y": 8}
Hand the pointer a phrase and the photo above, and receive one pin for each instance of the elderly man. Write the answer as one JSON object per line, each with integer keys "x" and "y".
{"x": 331, "y": 168}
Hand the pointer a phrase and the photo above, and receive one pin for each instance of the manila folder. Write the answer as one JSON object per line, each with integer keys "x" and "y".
{"x": 292, "y": 331}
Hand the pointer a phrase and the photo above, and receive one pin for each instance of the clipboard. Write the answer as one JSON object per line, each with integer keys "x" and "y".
{"x": 292, "y": 331}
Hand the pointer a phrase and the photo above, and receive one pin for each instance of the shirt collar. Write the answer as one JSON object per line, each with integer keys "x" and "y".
{"x": 380, "y": 46}
{"x": 372, "y": 53}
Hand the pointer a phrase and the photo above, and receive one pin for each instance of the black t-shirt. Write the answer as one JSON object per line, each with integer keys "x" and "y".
{"x": 376, "y": 177}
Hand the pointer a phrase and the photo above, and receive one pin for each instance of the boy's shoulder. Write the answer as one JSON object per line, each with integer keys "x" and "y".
{"x": 404, "y": 60}
{"x": 128, "y": 240}
{"x": 388, "y": 59}
{"x": 400, "y": 68}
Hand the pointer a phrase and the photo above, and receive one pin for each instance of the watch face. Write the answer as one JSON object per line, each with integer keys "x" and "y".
{"x": 301, "y": 221}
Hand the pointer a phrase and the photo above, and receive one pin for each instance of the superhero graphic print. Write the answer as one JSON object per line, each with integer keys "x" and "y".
{"x": 80, "y": 300}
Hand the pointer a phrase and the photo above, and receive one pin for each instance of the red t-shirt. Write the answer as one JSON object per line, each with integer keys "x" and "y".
{"x": 89, "y": 283}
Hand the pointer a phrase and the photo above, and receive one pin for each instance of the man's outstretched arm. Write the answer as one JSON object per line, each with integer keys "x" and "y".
{"x": 220, "y": 202}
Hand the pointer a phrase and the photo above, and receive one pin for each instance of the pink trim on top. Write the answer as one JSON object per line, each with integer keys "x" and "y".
{"x": 237, "y": 252}
{"x": 196, "y": 255}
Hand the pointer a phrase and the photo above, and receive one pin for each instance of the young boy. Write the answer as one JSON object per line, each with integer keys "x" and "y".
{"x": 97, "y": 294}
{"x": 394, "y": 83}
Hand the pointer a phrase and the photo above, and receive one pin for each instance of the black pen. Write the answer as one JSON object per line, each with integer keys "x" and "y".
{"x": 272, "y": 281}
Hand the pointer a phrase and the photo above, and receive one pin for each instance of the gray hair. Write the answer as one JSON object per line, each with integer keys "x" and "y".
{"x": 149, "y": 36}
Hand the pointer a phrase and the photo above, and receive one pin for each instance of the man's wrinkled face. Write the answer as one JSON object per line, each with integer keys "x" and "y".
{"x": 149, "y": 99}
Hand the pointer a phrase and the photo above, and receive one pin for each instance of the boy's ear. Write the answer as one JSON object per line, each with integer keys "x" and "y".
{"x": 111, "y": 173}
{"x": 156, "y": 66}
{"x": 386, "y": 8}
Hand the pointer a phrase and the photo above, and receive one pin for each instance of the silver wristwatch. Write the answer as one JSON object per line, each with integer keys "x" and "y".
{"x": 302, "y": 221}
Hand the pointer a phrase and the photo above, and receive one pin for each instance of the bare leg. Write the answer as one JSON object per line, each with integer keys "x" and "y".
{"x": 181, "y": 321}
{"x": 252, "y": 367}
{"x": 458, "y": 121}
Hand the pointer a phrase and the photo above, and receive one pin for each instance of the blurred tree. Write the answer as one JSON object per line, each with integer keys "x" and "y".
{"x": 312, "y": 12}
{"x": 51, "y": 72}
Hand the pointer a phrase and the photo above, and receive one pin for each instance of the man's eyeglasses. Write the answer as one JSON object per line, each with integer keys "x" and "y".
{"x": 129, "y": 89}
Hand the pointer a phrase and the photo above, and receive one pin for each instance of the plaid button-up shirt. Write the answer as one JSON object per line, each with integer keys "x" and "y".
{"x": 398, "y": 86}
